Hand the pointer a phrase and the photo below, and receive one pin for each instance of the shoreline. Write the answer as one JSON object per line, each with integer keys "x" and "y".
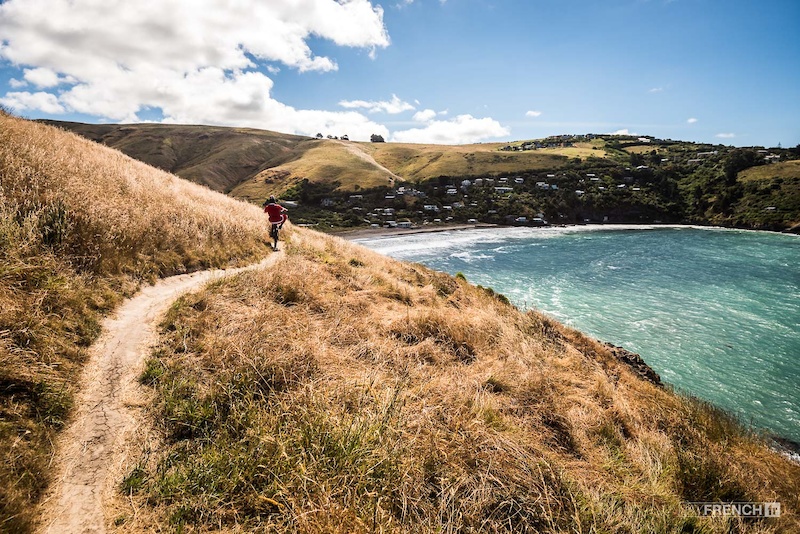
{"x": 787, "y": 447}
{"x": 353, "y": 234}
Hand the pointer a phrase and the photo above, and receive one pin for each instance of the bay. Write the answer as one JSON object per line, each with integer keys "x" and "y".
{"x": 715, "y": 312}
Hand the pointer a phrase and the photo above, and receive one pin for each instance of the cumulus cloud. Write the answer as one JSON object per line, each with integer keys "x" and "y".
{"x": 424, "y": 116}
{"x": 725, "y": 135}
{"x": 16, "y": 84}
{"x": 196, "y": 60}
{"x": 25, "y": 101}
{"x": 462, "y": 129}
{"x": 42, "y": 77}
{"x": 691, "y": 120}
{"x": 393, "y": 106}
{"x": 532, "y": 113}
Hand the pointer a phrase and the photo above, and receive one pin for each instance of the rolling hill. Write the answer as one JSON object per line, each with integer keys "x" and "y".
{"x": 567, "y": 179}
{"x": 220, "y": 158}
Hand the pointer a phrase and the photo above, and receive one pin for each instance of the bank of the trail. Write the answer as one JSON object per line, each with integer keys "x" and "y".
{"x": 92, "y": 451}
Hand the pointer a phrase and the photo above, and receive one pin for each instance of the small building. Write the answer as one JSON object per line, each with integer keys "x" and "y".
{"x": 503, "y": 190}
{"x": 404, "y": 224}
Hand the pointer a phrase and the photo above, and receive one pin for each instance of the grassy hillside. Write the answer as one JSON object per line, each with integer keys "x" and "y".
{"x": 786, "y": 170}
{"x": 417, "y": 163}
{"x": 218, "y": 157}
{"x": 612, "y": 178}
{"x": 346, "y": 392}
{"x": 81, "y": 225}
{"x": 342, "y": 165}
{"x": 339, "y": 392}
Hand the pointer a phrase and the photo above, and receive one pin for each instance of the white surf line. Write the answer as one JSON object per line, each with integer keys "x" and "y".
{"x": 92, "y": 448}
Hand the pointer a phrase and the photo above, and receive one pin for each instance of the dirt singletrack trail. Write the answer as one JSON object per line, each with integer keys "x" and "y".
{"x": 359, "y": 153}
{"x": 91, "y": 451}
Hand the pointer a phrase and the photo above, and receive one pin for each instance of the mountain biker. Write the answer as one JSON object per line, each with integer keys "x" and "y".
{"x": 277, "y": 216}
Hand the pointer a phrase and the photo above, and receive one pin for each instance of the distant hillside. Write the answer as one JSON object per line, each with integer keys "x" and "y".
{"x": 218, "y": 157}
{"x": 561, "y": 179}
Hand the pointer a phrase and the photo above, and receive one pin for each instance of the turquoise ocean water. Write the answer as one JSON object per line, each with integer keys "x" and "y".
{"x": 715, "y": 312}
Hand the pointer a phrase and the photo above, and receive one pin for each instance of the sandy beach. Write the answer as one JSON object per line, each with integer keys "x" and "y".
{"x": 363, "y": 233}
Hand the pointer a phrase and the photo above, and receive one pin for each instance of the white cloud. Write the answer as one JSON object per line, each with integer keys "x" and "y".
{"x": 725, "y": 135}
{"x": 424, "y": 116}
{"x": 532, "y": 113}
{"x": 16, "y": 84}
{"x": 461, "y": 130}
{"x": 656, "y": 90}
{"x": 691, "y": 120}
{"x": 42, "y": 77}
{"x": 624, "y": 131}
{"x": 393, "y": 106}
{"x": 183, "y": 56}
{"x": 25, "y": 101}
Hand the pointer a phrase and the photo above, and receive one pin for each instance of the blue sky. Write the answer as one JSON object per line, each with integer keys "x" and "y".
{"x": 452, "y": 71}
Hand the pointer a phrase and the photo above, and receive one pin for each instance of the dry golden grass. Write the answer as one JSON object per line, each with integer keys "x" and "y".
{"x": 323, "y": 161}
{"x": 419, "y": 162}
{"x": 342, "y": 391}
{"x": 356, "y": 165}
{"x": 786, "y": 169}
{"x": 82, "y": 225}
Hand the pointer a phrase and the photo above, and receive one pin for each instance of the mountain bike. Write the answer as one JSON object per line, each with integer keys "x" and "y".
{"x": 273, "y": 234}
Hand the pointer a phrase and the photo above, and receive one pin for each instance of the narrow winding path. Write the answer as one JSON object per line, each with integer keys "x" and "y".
{"x": 92, "y": 450}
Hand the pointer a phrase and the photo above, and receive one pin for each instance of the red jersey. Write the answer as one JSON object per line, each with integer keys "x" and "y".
{"x": 275, "y": 212}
